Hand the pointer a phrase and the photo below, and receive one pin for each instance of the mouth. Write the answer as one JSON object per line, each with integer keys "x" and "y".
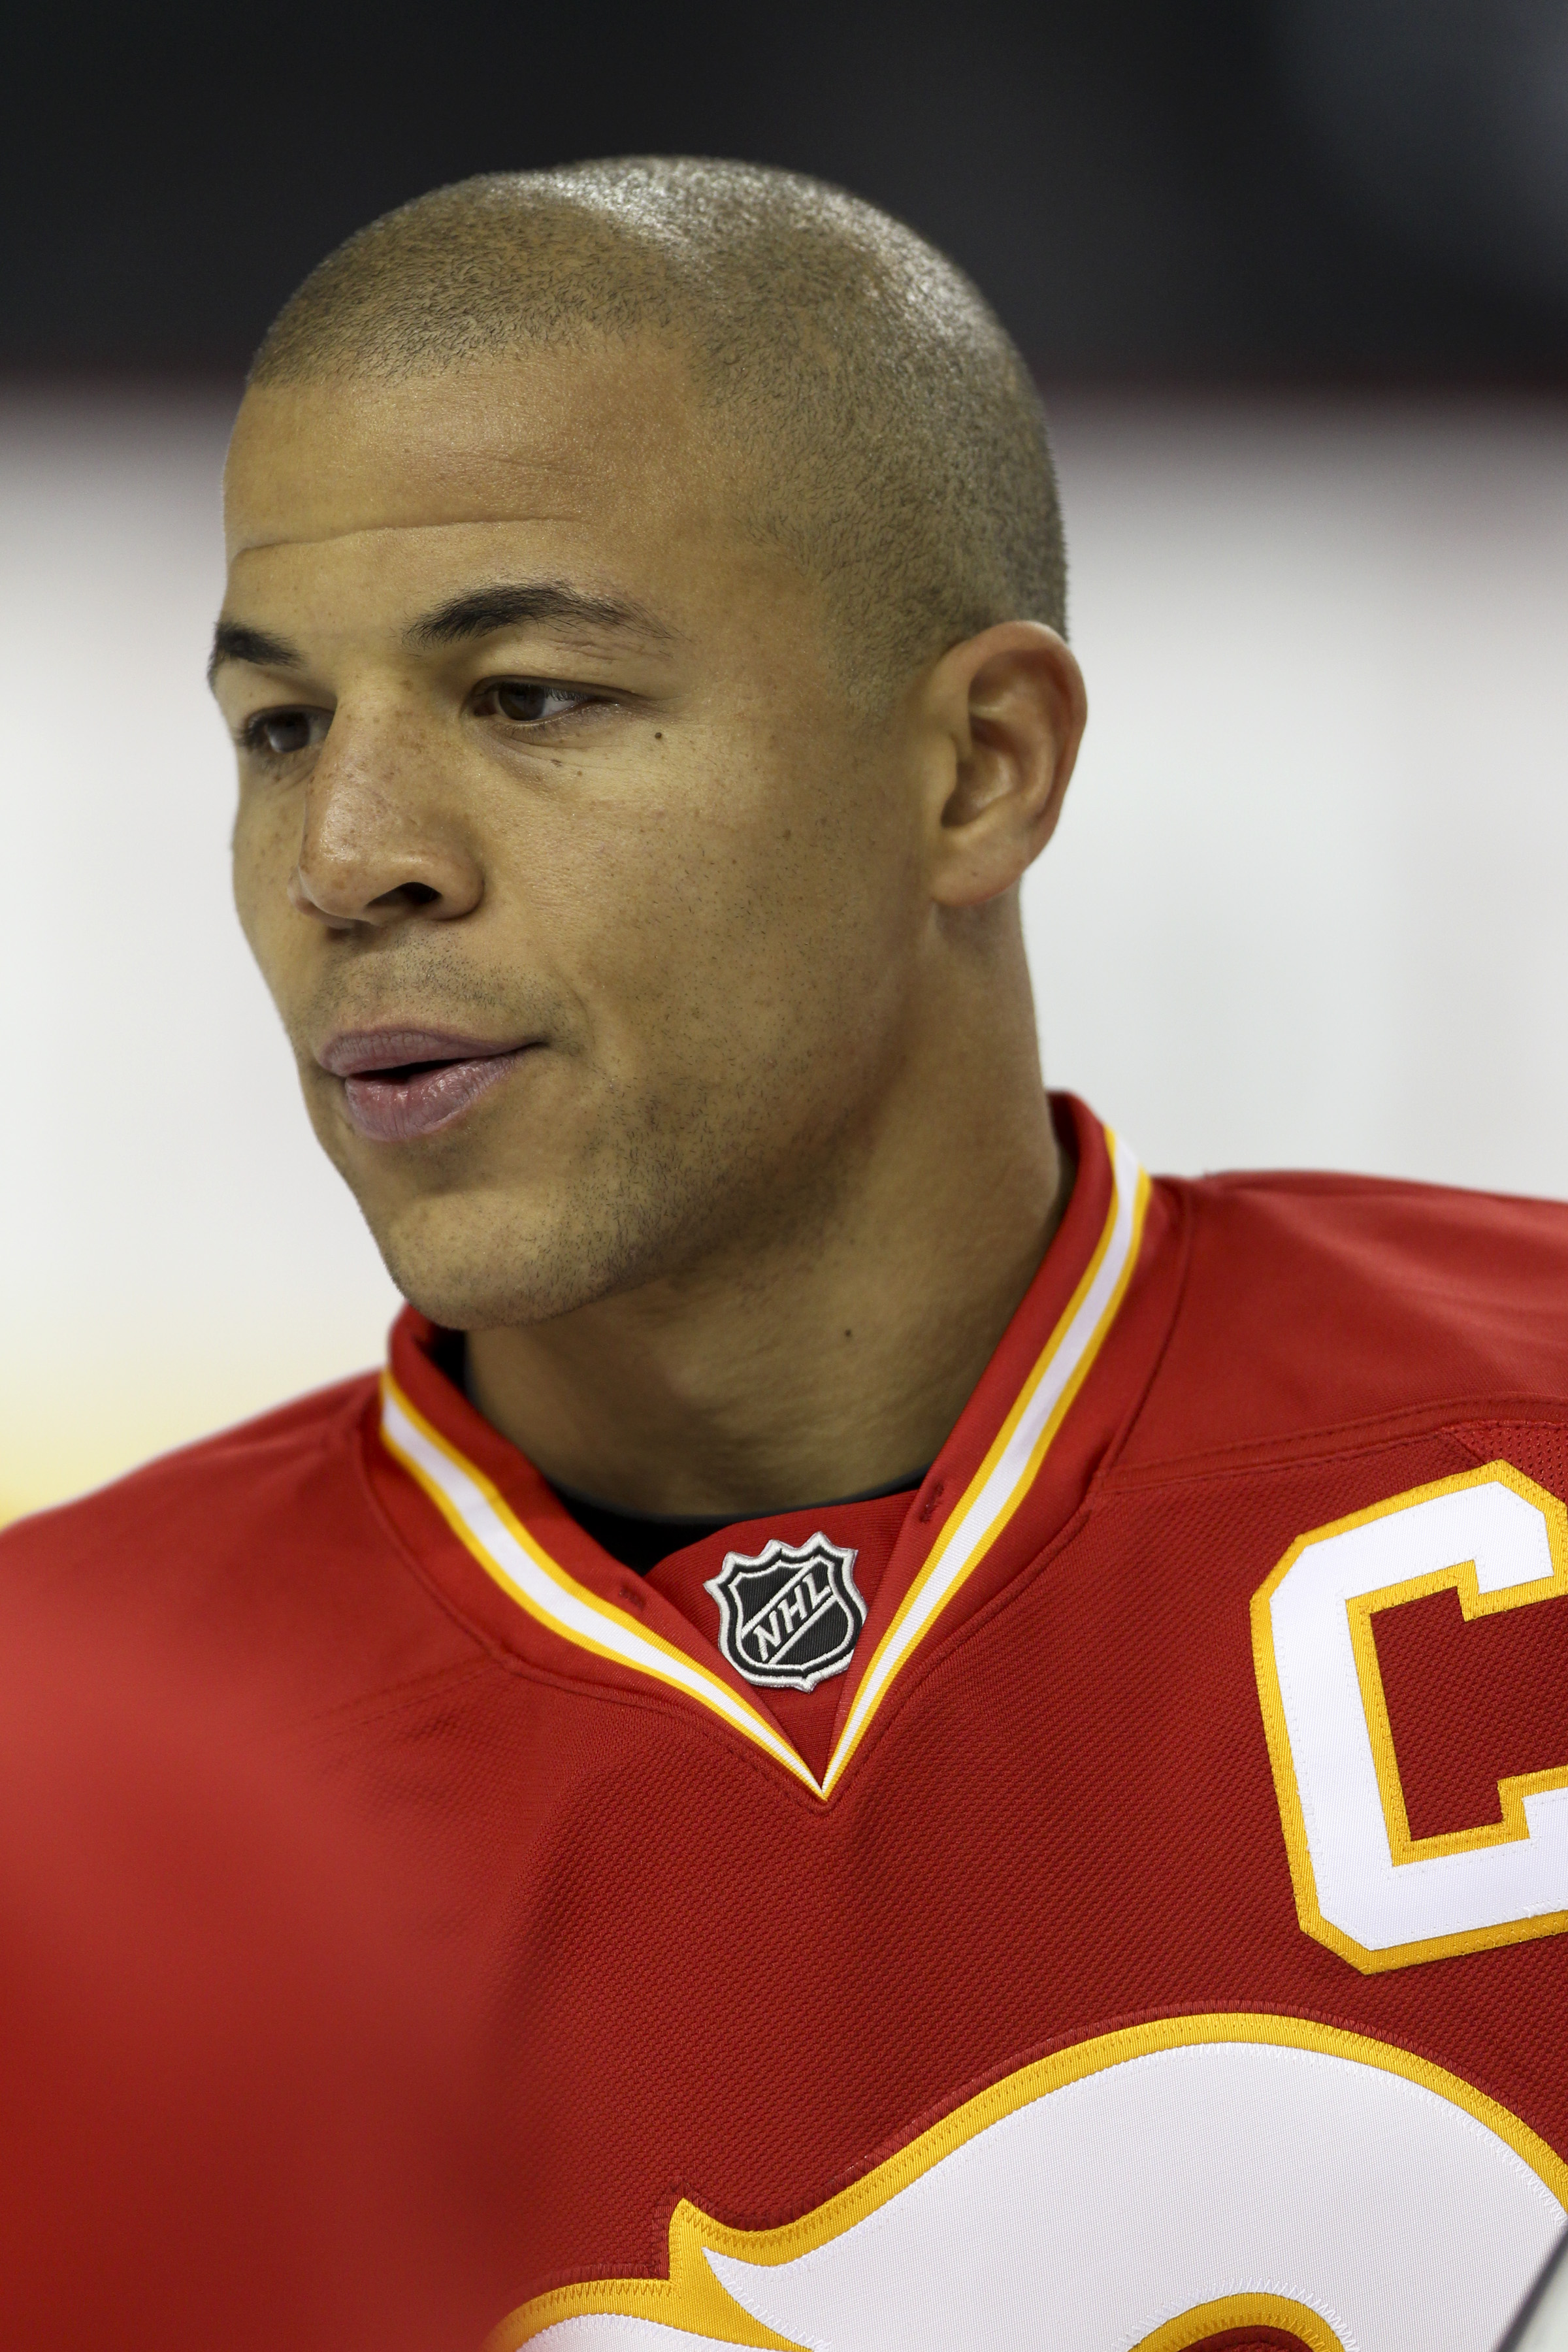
{"x": 401, "y": 1083}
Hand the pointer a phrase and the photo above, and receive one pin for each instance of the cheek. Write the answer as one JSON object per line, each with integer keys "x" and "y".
{"x": 263, "y": 849}
{"x": 736, "y": 922}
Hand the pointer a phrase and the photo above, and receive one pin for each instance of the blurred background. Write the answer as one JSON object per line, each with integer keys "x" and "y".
{"x": 1294, "y": 277}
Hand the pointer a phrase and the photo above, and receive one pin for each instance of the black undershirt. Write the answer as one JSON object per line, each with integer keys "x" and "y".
{"x": 640, "y": 1539}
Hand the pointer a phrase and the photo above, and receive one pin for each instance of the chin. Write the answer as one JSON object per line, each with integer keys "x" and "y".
{"x": 482, "y": 1265}
{"x": 476, "y": 1292}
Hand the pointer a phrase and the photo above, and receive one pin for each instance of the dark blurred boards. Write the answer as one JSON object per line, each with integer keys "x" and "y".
{"x": 1322, "y": 191}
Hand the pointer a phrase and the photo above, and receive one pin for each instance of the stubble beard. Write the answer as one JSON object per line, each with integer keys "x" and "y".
{"x": 721, "y": 1158}
{"x": 652, "y": 1201}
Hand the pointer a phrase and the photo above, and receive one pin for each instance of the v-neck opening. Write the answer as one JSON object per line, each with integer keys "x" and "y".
{"x": 504, "y": 1548}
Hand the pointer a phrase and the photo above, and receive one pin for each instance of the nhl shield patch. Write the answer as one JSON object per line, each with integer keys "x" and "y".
{"x": 790, "y": 1617}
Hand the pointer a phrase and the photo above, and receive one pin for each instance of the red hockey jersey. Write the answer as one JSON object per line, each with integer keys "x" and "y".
{"x": 1111, "y": 1895}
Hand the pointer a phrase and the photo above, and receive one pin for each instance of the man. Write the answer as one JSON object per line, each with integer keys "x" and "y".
{"x": 972, "y": 1745}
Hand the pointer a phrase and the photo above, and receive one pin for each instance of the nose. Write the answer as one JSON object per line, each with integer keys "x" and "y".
{"x": 380, "y": 840}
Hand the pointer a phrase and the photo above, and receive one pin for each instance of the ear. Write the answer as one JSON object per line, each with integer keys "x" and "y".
{"x": 1010, "y": 708}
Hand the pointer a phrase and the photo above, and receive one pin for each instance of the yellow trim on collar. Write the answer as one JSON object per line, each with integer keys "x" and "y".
{"x": 483, "y": 1522}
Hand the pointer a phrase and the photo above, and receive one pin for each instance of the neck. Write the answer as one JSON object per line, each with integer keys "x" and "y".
{"x": 828, "y": 1359}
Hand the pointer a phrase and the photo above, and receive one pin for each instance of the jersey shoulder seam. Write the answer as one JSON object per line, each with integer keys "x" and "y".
{"x": 1337, "y": 1440}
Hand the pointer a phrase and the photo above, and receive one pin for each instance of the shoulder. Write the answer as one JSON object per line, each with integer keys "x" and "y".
{"x": 204, "y": 1515}
{"x": 258, "y": 1558}
{"x": 250, "y": 1462}
{"x": 1478, "y": 1250}
{"x": 1314, "y": 1301}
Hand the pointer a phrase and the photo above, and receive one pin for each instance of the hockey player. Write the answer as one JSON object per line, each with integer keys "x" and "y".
{"x": 969, "y": 1748}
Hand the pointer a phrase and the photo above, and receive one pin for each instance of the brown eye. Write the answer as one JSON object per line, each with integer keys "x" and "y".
{"x": 279, "y": 733}
{"x": 527, "y": 705}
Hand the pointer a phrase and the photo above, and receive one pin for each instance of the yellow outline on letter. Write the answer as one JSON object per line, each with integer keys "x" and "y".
{"x": 1460, "y": 1577}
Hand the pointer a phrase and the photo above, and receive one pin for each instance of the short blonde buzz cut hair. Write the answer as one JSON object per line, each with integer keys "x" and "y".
{"x": 893, "y": 435}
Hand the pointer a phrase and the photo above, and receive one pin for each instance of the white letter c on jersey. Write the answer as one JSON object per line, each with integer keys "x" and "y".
{"x": 1363, "y": 1884}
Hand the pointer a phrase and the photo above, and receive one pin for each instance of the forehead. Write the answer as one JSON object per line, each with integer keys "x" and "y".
{"x": 601, "y": 444}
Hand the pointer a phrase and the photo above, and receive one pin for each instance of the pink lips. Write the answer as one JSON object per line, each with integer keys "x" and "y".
{"x": 400, "y": 1084}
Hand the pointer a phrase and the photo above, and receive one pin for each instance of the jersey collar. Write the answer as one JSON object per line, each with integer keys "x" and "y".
{"x": 1012, "y": 1473}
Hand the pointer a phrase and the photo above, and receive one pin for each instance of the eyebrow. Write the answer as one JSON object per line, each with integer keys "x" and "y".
{"x": 484, "y": 611}
{"x": 237, "y": 641}
{"x": 481, "y": 612}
